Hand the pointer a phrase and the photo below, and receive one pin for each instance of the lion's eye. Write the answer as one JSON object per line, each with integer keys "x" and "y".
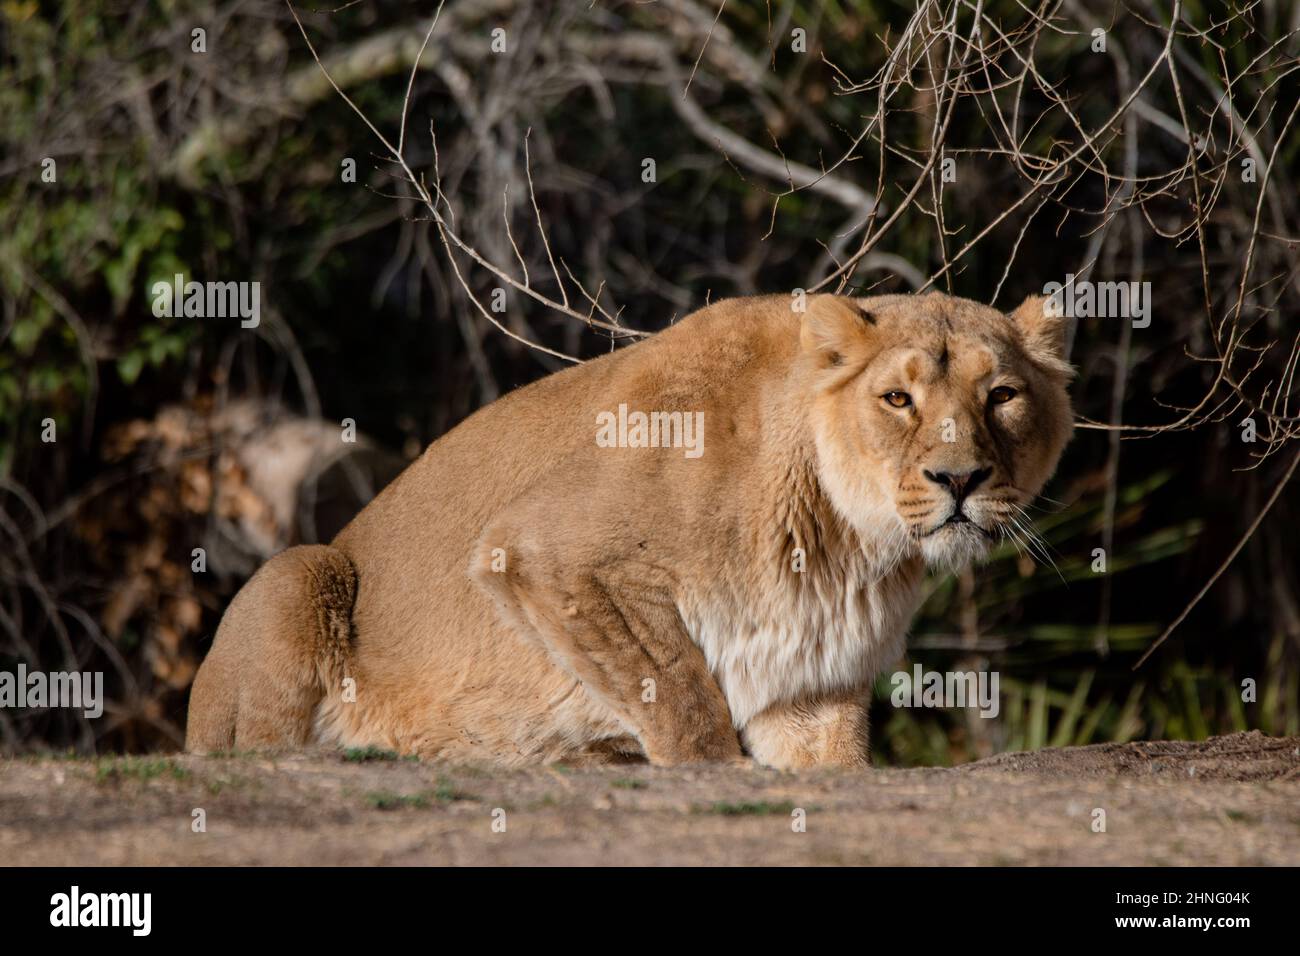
{"x": 1001, "y": 395}
{"x": 897, "y": 399}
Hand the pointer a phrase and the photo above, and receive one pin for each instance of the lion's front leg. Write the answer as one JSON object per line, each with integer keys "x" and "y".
{"x": 822, "y": 731}
{"x": 616, "y": 629}
{"x": 621, "y": 636}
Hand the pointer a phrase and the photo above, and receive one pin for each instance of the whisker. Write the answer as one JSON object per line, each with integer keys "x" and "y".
{"x": 1040, "y": 547}
{"x": 1046, "y": 544}
{"x": 1008, "y": 533}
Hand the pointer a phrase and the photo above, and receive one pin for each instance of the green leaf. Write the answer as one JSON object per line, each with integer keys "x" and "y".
{"x": 129, "y": 366}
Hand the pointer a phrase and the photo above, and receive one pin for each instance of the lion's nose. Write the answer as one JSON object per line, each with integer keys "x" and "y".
{"x": 959, "y": 484}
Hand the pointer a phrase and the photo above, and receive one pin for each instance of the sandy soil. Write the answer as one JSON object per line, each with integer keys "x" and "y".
{"x": 1228, "y": 800}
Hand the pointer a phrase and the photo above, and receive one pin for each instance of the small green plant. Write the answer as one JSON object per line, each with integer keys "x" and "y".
{"x": 369, "y": 754}
{"x": 138, "y": 768}
{"x": 446, "y": 792}
{"x": 755, "y": 808}
{"x": 387, "y": 800}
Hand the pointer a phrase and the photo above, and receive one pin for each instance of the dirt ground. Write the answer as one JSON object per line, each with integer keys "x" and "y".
{"x": 1228, "y": 800}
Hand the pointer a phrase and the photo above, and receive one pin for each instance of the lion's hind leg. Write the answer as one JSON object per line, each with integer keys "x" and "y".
{"x": 282, "y": 644}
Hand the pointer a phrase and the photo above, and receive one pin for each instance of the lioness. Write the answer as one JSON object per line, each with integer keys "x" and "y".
{"x": 525, "y": 592}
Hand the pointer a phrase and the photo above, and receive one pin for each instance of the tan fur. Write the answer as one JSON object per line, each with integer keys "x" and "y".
{"x": 521, "y": 593}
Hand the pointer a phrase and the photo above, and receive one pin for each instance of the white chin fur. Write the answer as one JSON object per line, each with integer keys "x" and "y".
{"x": 954, "y": 547}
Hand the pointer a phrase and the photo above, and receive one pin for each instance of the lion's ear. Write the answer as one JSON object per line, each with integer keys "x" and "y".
{"x": 836, "y": 330}
{"x": 1043, "y": 330}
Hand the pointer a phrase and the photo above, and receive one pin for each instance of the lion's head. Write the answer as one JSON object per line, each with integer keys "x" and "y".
{"x": 936, "y": 419}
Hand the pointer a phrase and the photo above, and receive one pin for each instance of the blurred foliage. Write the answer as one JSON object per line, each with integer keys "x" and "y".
{"x": 174, "y": 162}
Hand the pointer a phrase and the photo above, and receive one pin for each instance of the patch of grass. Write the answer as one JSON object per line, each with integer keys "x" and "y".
{"x": 69, "y": 754}
{"x": 215, "y": 786}
{"x": 387, "y": 800}
{"x": 754, "y": 808}
{"x": 629, "y": 783}
{"x": 139, "y": 768}
{"x": 446, "y": 792}
{"x": 369, "y": 754}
